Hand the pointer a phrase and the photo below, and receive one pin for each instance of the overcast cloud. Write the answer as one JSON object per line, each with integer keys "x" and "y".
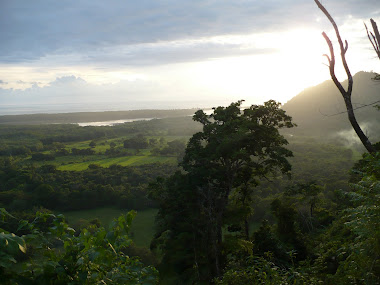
{"x": 34, "y": 29}
{"x": 47, "y": 47}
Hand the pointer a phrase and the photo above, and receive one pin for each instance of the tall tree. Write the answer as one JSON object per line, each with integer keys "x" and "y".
{"x": 345, "y": 93}
{"x": 235, "y": 148}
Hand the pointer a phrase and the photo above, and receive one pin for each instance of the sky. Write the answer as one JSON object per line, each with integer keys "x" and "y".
{"x": 80, "y": 55}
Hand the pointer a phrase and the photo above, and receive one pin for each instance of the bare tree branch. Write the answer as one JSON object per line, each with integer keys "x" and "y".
{"x": 377, "y": 34}
{"x": 343, "y": 49}
{"x": 374, "y": 38}
{"x": 345, "y": 93}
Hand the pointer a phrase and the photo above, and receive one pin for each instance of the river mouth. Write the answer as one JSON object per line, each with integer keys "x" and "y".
{"x": 111, "y": 123}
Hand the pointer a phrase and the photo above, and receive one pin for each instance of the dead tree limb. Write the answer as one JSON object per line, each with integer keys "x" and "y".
{"x": 374, "y": 37}
{"x": 346, "y": 94}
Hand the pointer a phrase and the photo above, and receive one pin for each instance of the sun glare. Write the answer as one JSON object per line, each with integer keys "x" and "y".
{"x": 293, "y": 62}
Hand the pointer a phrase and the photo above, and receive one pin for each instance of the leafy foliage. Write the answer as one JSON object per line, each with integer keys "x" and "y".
{"x": 351, "y": 250}
{"x": 258, "y": 270}
{"x": 47, "y": 251}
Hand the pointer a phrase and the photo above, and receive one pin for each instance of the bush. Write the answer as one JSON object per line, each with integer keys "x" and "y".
{"x": 42, "y": 157}
{"x": 95, "y": 256}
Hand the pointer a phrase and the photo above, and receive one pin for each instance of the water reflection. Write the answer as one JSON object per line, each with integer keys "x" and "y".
{"x": 112, "y": 123}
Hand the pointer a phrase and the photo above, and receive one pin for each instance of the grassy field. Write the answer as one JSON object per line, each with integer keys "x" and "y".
{"x": 142, "y": 227}
{"x": 124, "y": 161}
{"x": 81, "y": 162}
{"x": 103, "y": 144}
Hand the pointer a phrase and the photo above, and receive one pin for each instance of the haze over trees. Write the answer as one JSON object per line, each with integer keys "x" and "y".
{"x": 320, "y": 110}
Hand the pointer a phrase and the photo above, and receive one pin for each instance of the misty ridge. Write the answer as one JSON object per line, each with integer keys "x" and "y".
{"x": 320, "y": 110}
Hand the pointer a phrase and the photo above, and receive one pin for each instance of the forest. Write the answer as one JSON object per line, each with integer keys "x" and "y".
{"x": 231, "y": 197}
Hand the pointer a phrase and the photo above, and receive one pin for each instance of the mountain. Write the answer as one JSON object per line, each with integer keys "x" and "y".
{"x": 320, "y": 110}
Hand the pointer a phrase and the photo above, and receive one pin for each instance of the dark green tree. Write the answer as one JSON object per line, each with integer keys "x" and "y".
{"x": 348, "y": 252}
{"x": 236, "y": 147}
{"x": 112, "y": 144}
{"x": 92, "y": 144}
{"x": 137, "y": 142}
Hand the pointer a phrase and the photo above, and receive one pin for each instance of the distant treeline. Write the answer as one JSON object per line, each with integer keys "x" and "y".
{"x": 69, "y": 118}
{"x": 39, "y": 137}
{"x": 21, "y": 189}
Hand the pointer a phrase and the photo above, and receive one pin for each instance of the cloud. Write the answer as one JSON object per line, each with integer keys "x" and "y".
{"x": 68, "y": 81}
{"x": 164, "y": 52}
{"x": 104, "y": 41}
{"x": 26, "y": 83}
{"x": 2, "y": 82}
{"x": 71, "y": 93}
{"x": 350, "y": 138}
{"x": 32, "y": 30}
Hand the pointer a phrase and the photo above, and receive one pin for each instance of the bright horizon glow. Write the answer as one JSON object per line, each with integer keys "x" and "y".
{"x": 296, "y": 65}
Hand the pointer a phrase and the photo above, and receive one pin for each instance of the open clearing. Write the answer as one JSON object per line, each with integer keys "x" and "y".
{"x": 142, "y": 230}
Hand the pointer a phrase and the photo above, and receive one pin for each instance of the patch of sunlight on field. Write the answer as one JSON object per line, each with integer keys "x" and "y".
{"x": 139, "y": 160}
{"x": 142, "y": 230}
{"x": 123, "y": 161}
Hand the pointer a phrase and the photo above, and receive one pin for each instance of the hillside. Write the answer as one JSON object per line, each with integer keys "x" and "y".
{"x": 315, "y": 110}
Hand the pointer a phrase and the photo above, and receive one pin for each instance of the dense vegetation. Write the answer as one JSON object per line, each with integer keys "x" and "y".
{"x": 125, "y": 187}
{"x": 227, "y": 213}
{"x": 51, "y": 253}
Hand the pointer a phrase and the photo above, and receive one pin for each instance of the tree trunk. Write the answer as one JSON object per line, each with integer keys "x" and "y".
{"x": 351, "y": 117}
{"x": 246, "y": 228}
{"x": 218, "y": 243}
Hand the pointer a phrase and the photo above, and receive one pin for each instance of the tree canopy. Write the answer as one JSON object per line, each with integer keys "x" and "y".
{"x": 234, "y": 150}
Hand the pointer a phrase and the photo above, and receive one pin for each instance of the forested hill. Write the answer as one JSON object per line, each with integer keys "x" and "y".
{"x": 315, "y": 110}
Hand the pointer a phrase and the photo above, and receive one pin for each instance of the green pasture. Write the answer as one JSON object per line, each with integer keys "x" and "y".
{"x": 142, "y": 230}
{"x": 101, "y": 145}
{"x": 123, "y": 161}
{"x": 104, "y": 144}
{"x": 79, "y": 162}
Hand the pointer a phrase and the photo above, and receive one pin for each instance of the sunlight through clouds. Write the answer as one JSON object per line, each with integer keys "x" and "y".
{"x": 225, "y": 51}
